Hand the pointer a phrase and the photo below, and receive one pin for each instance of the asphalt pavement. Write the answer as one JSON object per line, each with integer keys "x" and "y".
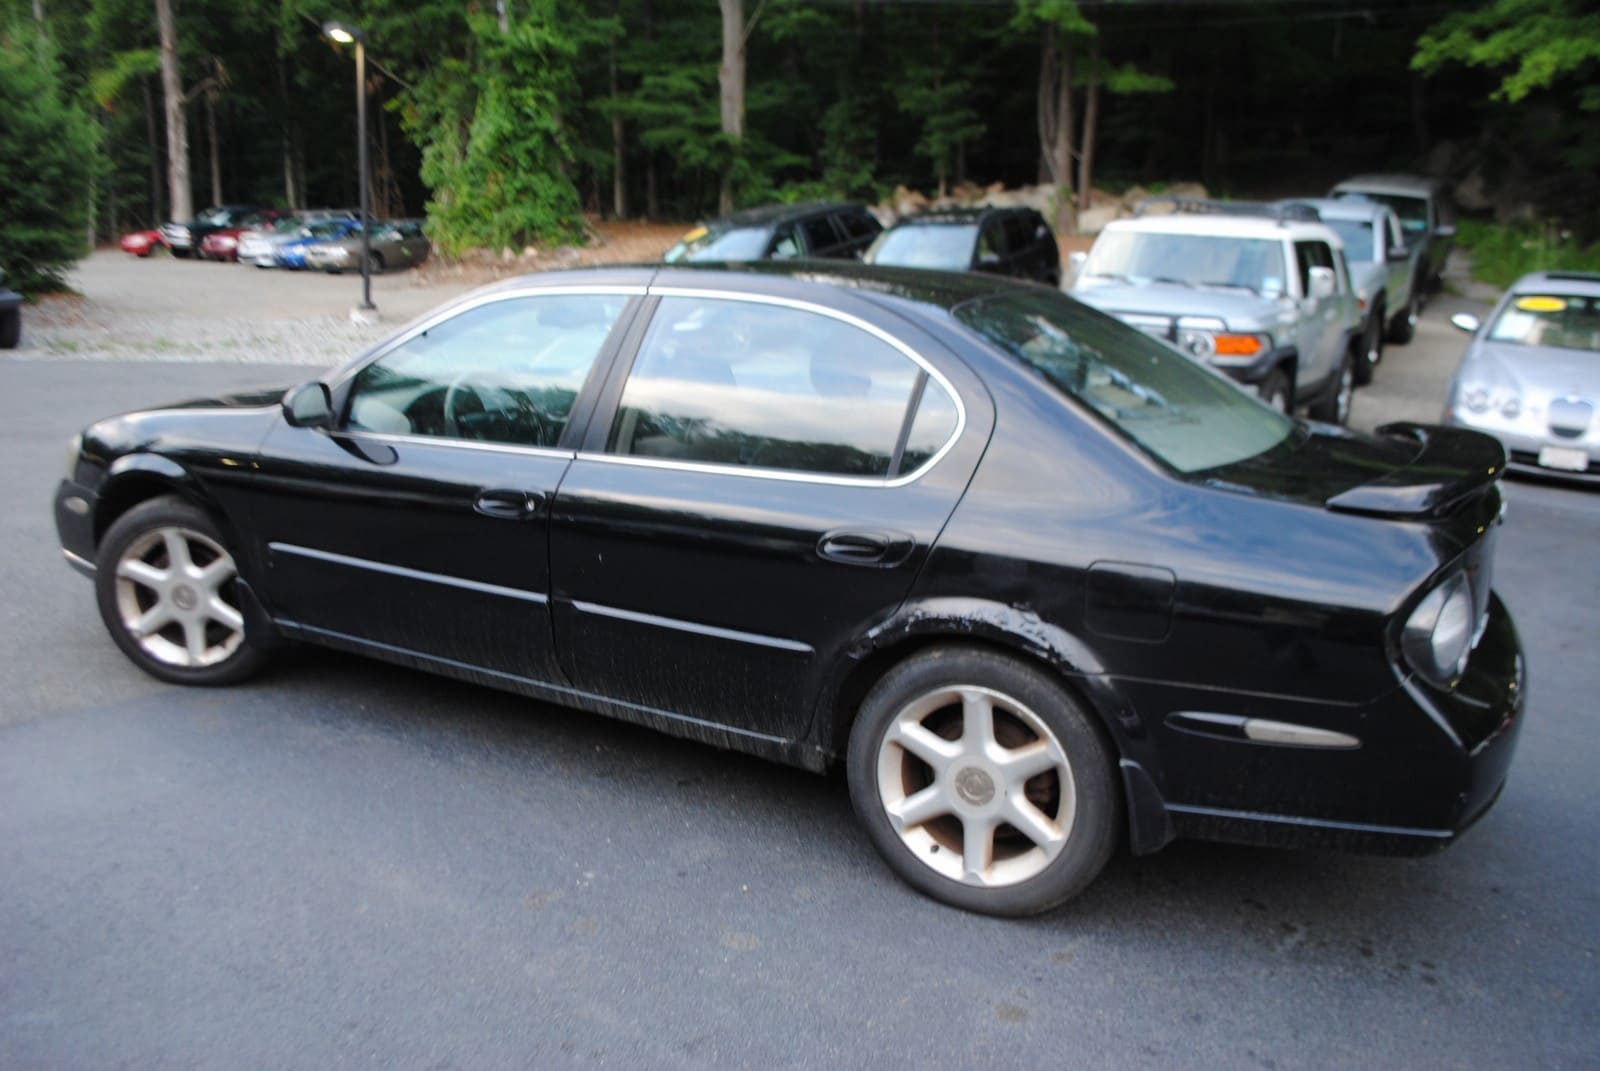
{"x": 346, "y": 865}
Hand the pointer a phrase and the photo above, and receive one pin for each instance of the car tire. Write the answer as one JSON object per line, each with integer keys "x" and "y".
{"x": 1404, "y": 325}
{"x": 10, "y": 329}
{"x": 1017, "y": 819}
{"x": 1370, "y": 346}
{"x": 1334, "y": 406}
{"x": 1276, "y": 392}
{"x": 168, "y": 591}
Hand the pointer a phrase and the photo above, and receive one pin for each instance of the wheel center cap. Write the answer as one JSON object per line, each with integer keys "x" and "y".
{"x": 974, "y": 786}
{"x": 184, "y": 598}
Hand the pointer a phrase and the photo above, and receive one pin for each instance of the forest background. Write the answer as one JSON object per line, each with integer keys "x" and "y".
{"x": 506, "y": 121}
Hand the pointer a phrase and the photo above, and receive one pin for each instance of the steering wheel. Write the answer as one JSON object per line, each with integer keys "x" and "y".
{"x": 519, "y": 423}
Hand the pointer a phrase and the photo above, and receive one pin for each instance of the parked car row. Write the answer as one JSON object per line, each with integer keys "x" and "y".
{"x": 1295, "y": 299}
{"x": 320, "y": 239}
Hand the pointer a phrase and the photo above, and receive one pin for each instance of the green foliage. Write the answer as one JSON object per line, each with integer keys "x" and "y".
{"x": 1537, "y": 43}
{"x": 47, "y": 154}
{"x": 1502, "y": 253}
{"x": 496, "y": 158}
{"x": 946, "y": 119}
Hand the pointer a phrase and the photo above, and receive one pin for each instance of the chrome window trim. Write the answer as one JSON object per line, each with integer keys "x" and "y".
{"x": 409, "y": 574}
{"x": 793, "y": 475}
{"x": 458, "y": 444}
{"x": 679, "y": 625}
{"x": 344, "y": 375}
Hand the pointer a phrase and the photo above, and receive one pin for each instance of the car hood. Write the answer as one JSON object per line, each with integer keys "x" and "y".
{"x": 1535, "y": 373}
{"x": 259, "y": 398}
{"x": 1402, "y": 470}
{"x": 1239, "y": 308}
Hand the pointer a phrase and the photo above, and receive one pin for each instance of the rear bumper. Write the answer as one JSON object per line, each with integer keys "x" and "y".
{"x": 1429, "y": 763}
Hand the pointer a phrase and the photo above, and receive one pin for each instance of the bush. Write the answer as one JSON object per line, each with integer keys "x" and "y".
{"x": 47, "y": 153}
{"x": 1501, "y": 253}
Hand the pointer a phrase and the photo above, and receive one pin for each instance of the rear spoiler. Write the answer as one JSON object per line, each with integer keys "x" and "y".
{"x": 1451, "y": 465}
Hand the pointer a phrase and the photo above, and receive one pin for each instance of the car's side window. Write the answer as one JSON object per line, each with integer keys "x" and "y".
{"x": 1019, "y": 233}
{"x": 1310, "y": 255}
{"x": 991, "y": 243}
{"x": 820, "y": 235}
{"x": 741, "y": 383}
{"x": 860, "y": 224}
{"x": 506, "y": 371}
{"x": 786, "y": 243}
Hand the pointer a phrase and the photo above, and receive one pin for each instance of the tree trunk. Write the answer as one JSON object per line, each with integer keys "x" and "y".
{"x": 156, "y": 214}
{"x": 289, "y": 196}
{"x": 1056, "y": 123}
{"x": 1091, "y": 119}
{"x": 652, "y": 199}
{"x": 211, "y": 144}
{"x": 730, "y": 77}
{"x": 178, "y": 191}
{"x": 619, "y": 178}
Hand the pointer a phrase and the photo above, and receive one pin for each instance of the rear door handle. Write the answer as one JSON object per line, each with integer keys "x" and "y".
{"x": 508, "y": 504}
{"x": 875, "y": 549}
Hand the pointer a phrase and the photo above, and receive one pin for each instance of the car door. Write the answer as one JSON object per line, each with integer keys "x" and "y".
{"x": 417, "y": 524}
{"x": 1320, "y": 340}
{"x": 758, "y": 488}
{"x": 1398, "y": 270}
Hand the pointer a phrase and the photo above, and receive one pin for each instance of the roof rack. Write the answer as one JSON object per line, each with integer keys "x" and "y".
{"x": 1282, "y": 211}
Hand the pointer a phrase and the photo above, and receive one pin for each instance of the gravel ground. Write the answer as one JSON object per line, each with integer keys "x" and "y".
{"x": 166, "y": 309}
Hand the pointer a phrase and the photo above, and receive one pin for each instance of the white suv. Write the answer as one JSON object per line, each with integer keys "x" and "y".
{"x": 1261, "y": 292}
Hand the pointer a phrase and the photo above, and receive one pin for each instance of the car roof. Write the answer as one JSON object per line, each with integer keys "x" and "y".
{"x": 1342, "y": 208}
{"x": 1225, "y": 226}
{"x": 1416, "y": 185}
{"x": 960, "y": 215}
{"x": 799, "y": 278}
{"x": 1559, "y": 282}
{"x": 770, "y": 215}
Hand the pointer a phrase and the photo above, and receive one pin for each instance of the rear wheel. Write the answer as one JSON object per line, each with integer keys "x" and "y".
{"x": 1370, "y": 346}
{"x": 1404, "y": 325}
{"x": 982, "y": 783}
{"x": 1334, "y": 406}
{"x": 10, "y": 329}
{"x": 168, "y": 591}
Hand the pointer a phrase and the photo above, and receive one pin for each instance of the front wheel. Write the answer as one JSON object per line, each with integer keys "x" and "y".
{"x": 10, "y": 329}
{"x": 982, "y": 783}
{"x": 1404, "y": 325}
{"x": 168, "y": 591}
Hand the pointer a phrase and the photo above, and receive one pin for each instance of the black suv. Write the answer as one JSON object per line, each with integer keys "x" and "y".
{"x": 1002, "y": 241}
{"x": 781, "y": 232}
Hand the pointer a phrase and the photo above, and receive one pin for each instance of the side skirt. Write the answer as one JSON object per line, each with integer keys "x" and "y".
{"x": 774, "y": 748}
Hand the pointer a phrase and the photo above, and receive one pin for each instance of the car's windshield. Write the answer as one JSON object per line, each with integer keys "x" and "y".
{"x": 1195, "y": 259}
{"x": 1184, "y": 414}
{"x": 290, "y": 225}
{"x": 727, "y": 243}
{"x": 1356, "y": 234}
{"x": 930, "y": 245}
{"x": 214, "y": 217}
{"x": 1566, "y": 321}
{"x": 1413, "y": 211}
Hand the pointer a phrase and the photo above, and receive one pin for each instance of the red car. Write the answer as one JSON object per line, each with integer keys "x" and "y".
{"x": 141, "y": 243}
{"x": 224, "y": 244}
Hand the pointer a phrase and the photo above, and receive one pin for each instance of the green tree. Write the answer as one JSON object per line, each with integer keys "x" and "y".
{"x": 47, "y": 159}
{"x": 1535, "y": 44}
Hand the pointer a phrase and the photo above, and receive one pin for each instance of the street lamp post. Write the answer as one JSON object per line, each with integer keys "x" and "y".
{"x": 346, "y": 34}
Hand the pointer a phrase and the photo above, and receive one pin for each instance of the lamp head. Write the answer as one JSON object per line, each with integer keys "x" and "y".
{"x": 341, "y": 32}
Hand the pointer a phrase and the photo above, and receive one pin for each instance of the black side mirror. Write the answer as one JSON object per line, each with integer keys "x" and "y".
{"x": 308, "y": 406}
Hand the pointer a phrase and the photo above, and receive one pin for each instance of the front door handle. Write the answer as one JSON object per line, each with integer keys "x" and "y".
{"x": 508, "y": 504}
{"x": 876, "y": 549}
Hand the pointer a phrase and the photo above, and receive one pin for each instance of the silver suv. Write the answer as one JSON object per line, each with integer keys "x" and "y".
{"x": 1385, "y": 270}
{"x": 1261, "y": 292}
{"x": 1423, "y": 205}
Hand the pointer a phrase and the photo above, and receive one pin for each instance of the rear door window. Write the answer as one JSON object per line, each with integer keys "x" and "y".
{"x": 820, "y": 236}
{"x": 754, "y": 385}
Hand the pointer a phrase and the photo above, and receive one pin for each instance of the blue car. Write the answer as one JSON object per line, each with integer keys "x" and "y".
{"x": 293, "y": 254}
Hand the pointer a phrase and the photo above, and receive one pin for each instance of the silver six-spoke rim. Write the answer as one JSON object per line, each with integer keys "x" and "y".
{"x": 977, "y": 786}
{"x": 174, "y": 596}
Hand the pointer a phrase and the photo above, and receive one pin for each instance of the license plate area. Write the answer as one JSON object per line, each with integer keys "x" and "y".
{"x": 1565, "y": 458}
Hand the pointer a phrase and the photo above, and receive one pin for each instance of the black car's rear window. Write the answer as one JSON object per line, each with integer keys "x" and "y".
{"x": 1181, "y": 412}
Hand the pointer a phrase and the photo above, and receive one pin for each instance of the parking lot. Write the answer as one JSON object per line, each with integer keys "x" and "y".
{"x": 343, "y": 864}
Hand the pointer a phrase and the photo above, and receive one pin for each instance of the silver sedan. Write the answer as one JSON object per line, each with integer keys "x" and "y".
{"x": 1531, "y": 376}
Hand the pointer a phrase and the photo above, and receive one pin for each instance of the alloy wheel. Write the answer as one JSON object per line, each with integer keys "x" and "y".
{"x": 174, "y": 597}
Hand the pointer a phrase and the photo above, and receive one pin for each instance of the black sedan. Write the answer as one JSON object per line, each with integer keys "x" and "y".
{"x": 1042, "y": 584}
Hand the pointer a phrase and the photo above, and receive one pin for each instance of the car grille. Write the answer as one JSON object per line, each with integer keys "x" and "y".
{"x": 1156, "y": 326}
{"x": 1528, "y": 459}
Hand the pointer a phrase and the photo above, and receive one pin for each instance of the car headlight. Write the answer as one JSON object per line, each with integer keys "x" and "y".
{"x": 1476, "y": 399}
{"x": 1511, "y": 408}
{"x": 74, "y": 448}
{"x": 1222, "y": 347}
{"x": 1438, "y": 634}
